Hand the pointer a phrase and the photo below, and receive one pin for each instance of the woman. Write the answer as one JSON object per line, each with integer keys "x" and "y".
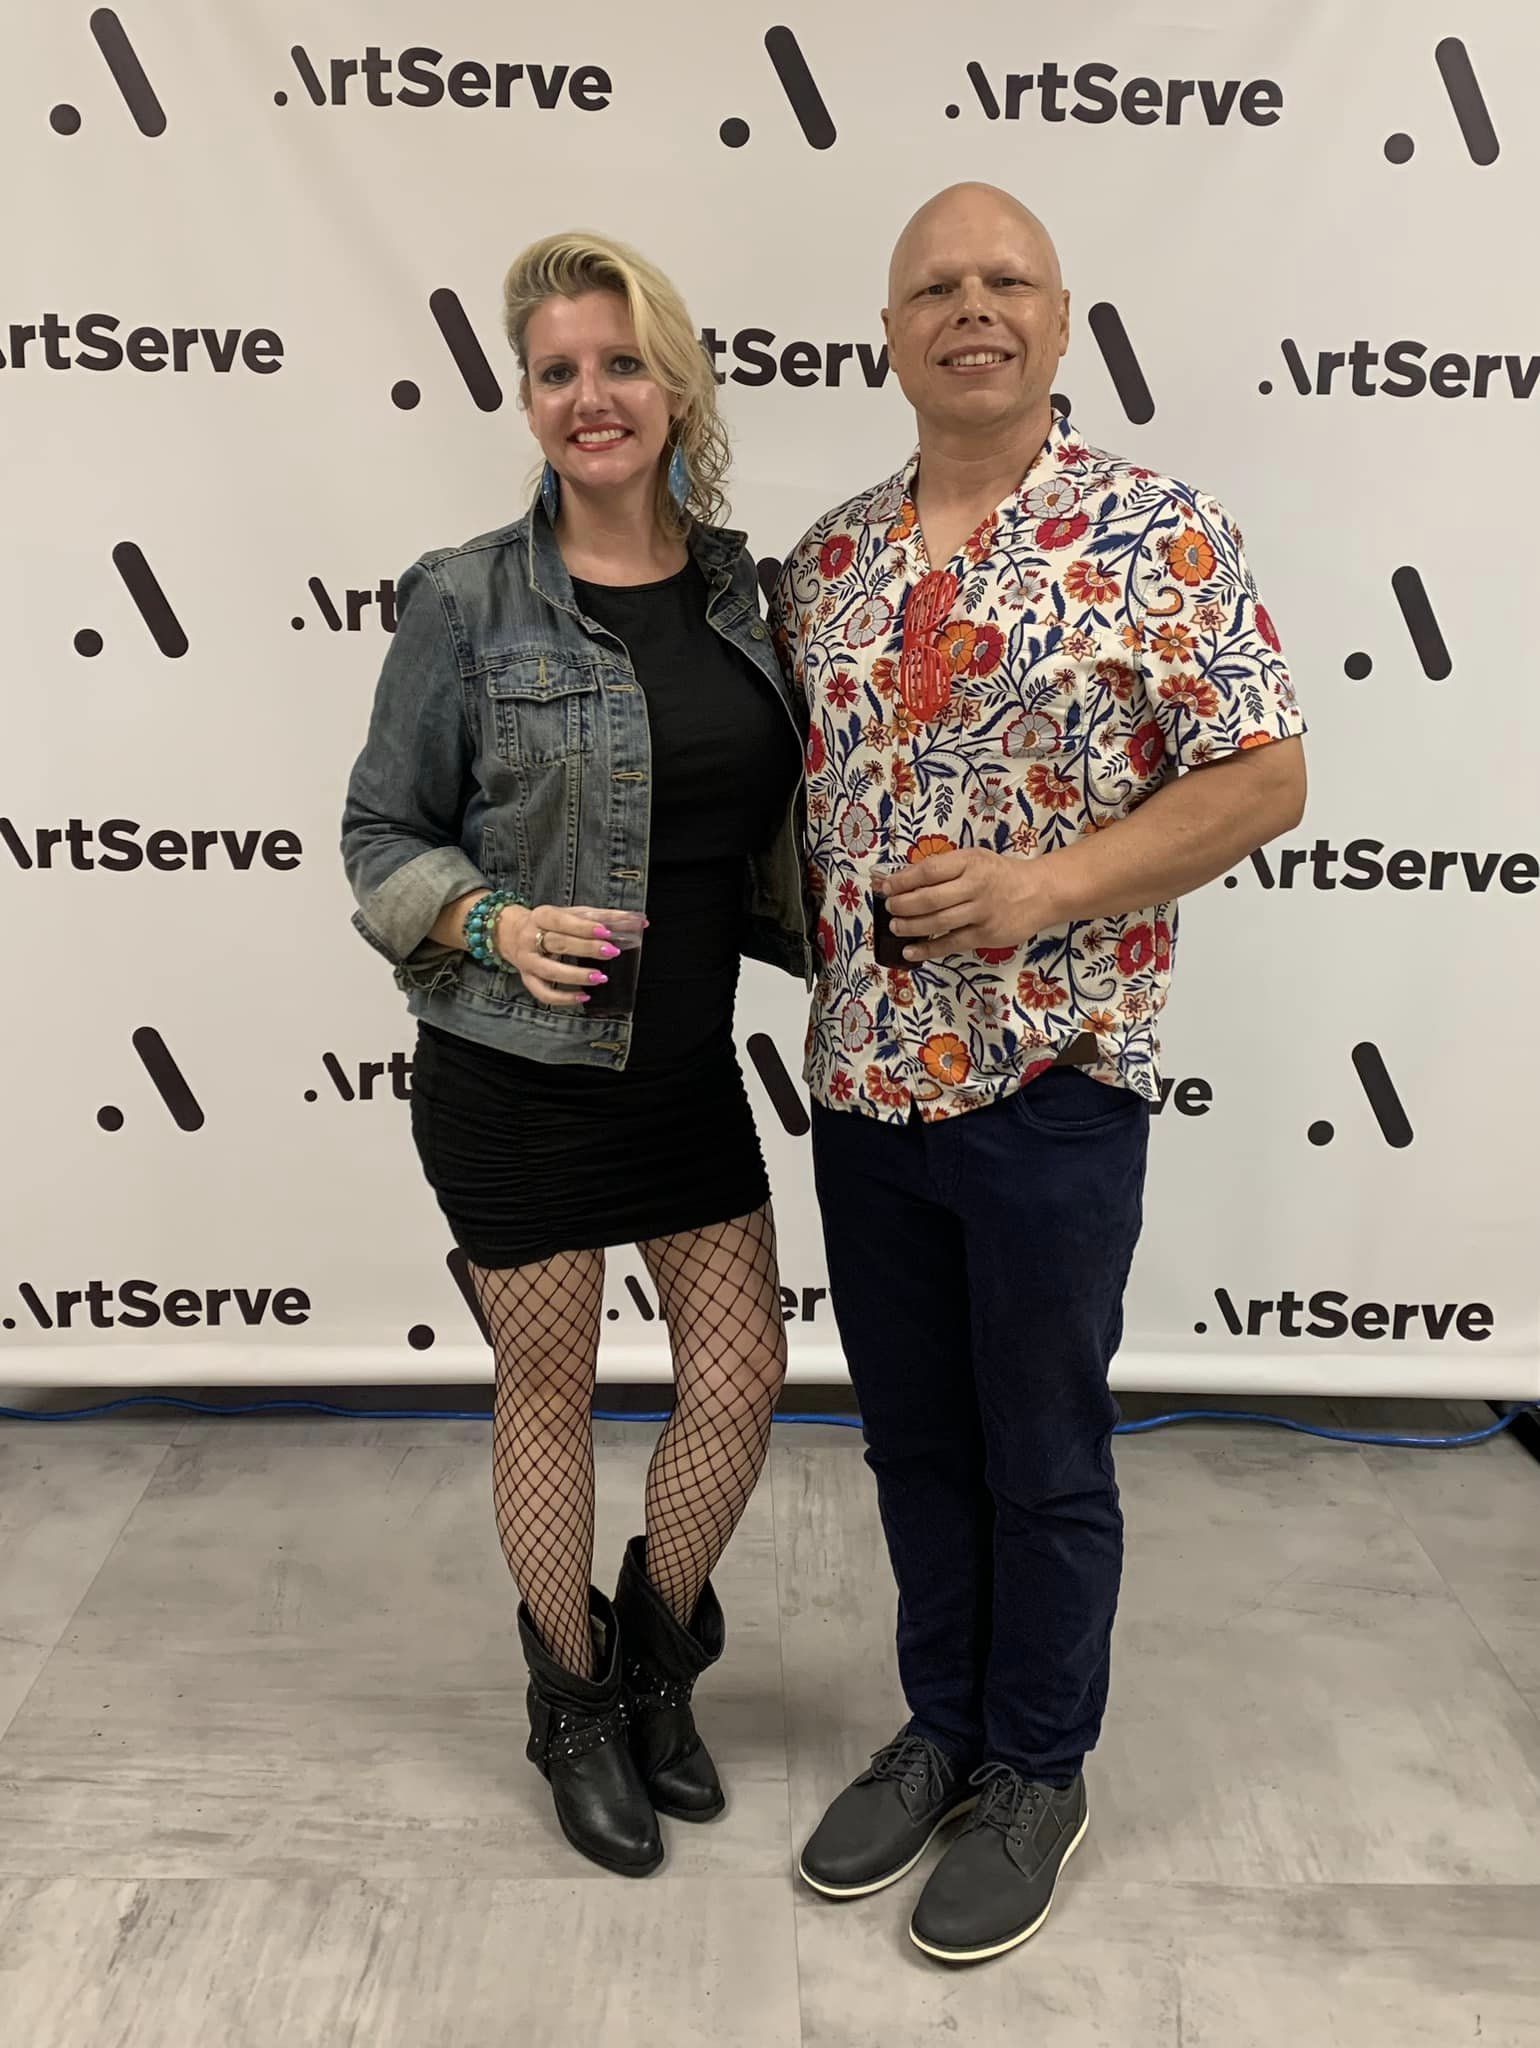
{"x": 581, "y": 730}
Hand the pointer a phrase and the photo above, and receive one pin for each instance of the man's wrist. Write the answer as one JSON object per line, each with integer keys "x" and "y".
{"x": 1052, "y": 890}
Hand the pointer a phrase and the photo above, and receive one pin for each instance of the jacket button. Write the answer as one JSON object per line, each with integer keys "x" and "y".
{"x": 756, "y": 631}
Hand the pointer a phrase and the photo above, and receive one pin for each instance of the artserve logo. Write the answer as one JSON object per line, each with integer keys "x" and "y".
{"x": 118, "y": 846}
{"x": 92, "y": 342}
{"x": 1098, "y": 93}
{"x": 144, "y": 1305}
{"x": 1401, "y": 369}
{"x": 1360, "y": 865}
{"x": 421, "y": 77}
{"x": 1330, "y": 1313}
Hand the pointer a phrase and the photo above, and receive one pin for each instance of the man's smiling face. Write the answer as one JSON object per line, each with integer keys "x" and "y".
{"x": 977, "y": 318}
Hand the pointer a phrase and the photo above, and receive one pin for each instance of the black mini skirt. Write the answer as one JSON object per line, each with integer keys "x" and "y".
{"x": 527, "y": 1160}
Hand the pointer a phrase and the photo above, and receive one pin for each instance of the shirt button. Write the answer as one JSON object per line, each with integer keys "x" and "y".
{"x": 756, "y": 631}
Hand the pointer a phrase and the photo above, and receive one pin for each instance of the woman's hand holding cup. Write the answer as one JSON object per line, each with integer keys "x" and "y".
{"x": 548, "y": 946}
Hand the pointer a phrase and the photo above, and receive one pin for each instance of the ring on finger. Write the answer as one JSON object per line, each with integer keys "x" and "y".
{"x": 540, "y": 945}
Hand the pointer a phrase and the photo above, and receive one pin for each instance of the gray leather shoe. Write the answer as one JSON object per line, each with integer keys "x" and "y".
{"x": 993, "y": 1888}
{"x": 878, "y": 1828}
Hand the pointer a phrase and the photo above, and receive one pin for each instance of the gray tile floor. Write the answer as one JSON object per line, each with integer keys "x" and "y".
{"x": 261, "y": 1778}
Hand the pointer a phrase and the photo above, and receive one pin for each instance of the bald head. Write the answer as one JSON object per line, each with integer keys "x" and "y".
{"x": 977, "y": 317}
{"x": 964, "y": 214}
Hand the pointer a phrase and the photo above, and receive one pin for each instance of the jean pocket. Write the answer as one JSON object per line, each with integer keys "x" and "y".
{"x": 544, "y": 709}
{"x": 1065, "y": 1100}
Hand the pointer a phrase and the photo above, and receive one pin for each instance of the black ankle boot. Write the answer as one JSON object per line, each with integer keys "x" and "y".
{"x": 577, "y": 1739}
{"x": 663, "y": 1659}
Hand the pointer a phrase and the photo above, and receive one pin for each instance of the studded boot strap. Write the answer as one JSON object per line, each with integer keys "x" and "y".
{"x": 648, "y": 1691}
{"x": 573, "y": 1735}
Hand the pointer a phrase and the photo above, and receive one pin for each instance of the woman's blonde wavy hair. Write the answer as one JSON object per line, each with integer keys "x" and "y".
{"x": 562, "y": 266}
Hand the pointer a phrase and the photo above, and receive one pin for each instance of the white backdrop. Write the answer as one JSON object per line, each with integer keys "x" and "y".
{"x": 169, "y": 166}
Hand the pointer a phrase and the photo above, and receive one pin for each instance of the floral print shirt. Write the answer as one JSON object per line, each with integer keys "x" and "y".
{"x": 1094, "y": 636}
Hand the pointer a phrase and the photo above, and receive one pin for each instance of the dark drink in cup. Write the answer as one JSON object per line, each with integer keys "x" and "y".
{"x": 617, "y": 996}
{"x": 888, "y": 947}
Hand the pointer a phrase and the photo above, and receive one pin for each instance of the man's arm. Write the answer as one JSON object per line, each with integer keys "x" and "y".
{"x": 1186, "y": 835}
{"x": 1189, "y": 832}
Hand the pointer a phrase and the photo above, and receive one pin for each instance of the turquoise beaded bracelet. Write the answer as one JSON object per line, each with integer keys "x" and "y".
{"x": 481, "y": 925}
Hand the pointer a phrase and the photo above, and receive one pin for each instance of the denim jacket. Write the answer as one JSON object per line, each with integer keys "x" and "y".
{"x": 508, "y": 747}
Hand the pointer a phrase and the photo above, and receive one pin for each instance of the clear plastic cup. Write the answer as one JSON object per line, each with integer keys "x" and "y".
{"x": 617, "y": 995}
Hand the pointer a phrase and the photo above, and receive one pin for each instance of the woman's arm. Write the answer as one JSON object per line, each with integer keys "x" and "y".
{"x": 409, "y": 787}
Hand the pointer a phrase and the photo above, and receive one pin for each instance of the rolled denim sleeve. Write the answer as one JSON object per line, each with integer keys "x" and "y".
{"x": 407, "y": 794}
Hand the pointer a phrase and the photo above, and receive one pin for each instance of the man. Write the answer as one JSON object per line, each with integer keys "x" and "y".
{"x": 1044, "y": 704}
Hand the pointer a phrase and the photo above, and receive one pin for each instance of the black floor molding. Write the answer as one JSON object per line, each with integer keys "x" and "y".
{"x": 1524, "y": 1430}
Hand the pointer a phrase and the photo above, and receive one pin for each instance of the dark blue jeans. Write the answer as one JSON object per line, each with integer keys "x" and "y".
{"x": 976, "y": 1271}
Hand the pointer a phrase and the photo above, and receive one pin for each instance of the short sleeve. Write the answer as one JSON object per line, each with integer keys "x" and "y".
{"x": 1210, "y": 657}
{"x": 788, "y": 622}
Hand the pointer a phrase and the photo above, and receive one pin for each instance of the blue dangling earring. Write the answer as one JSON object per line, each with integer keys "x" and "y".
{"x": 550, "y": 493}
{"x": 679, "y": 478}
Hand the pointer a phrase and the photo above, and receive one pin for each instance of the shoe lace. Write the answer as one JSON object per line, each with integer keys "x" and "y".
{"x": 1005, "y": 1798}
{"x": 918, "y": 1763}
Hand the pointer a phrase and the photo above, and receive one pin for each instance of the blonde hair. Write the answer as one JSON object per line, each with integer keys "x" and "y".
{"x": 565, "y": 265}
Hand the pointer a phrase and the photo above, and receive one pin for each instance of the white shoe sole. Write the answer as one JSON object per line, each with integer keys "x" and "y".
{"x": 1000, "y": 1948}
{"x": 861, "y": 1891}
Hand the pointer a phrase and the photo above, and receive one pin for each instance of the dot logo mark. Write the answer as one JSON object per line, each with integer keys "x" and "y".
{"x": 1421, "y": 623}
{"x": 801, "y": 90}
{"x": 469, "y": 356}
{"x": 128, "y": 74}
{"x": 1380, "y": 1093}
{"x": 152, "y": 603}
{"x": 1469, "y": 104}
{"x": 170, "y": 1082}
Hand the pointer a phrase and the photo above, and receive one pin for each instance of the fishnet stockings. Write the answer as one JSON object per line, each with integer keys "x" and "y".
{"x": 720, "y": 1293}
{"x": 545, "y": 1331}
{"x": 720, "y": 1290}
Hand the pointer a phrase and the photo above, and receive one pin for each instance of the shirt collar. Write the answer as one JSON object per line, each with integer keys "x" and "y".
{"x": 887, "y": 501}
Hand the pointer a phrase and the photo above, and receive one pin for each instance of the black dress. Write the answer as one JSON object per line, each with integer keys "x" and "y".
{"x": 528, "y": 1159}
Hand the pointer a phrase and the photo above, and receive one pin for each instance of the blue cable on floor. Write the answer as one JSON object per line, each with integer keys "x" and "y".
{"x": 1386, "y": 1439}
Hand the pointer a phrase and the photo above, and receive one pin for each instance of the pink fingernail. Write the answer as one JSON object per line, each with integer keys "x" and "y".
{"x": 609, "y": 952}
{"x": 585, "y": 999}
{"x": 596, "y": 978}
{"x": 602, "y": 931}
